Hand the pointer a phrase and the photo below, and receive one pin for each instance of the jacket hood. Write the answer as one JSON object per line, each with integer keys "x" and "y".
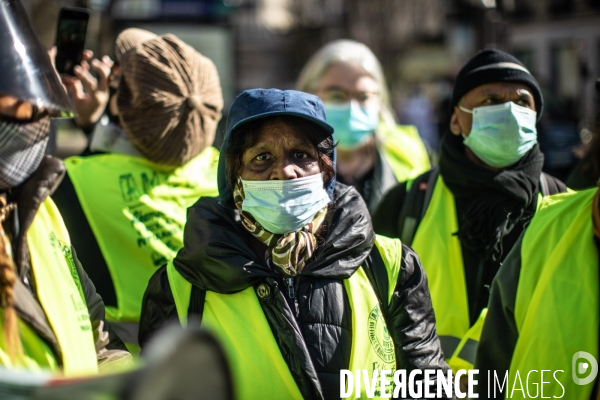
{"x": 218, "y": 255}
{"x": 255, "y": 104}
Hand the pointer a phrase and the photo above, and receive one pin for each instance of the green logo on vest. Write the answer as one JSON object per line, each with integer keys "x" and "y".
{"x": 64, "y": 249}
{"x": 379, "y": 336}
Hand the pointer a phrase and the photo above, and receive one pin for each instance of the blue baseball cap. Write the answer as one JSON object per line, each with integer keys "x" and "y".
{"x": 255, "y": 104}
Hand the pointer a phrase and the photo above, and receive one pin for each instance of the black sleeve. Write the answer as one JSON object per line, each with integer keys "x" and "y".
{"x": 158, "y": 306}
{"x": 412, "y": 318}
{"x": 499, "y": 335}
{"x": 385, "y": 218}
{"x": 84, "y": 240}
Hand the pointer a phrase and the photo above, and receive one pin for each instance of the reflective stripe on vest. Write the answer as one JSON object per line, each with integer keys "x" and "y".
{"x": 137, "y": 211}
{"x": 59, "y": 292}
{"x": 441, "y": 254}
{"x": 556, "y": 307}
{"x": 404, "y": 150}
{"x": 253, "y": 353}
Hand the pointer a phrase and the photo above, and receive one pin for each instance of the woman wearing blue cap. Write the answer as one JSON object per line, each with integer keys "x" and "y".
{"x": 285, "y": 267}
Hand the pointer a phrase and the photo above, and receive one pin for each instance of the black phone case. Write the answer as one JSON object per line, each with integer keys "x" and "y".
{"x": 70, "y": 38}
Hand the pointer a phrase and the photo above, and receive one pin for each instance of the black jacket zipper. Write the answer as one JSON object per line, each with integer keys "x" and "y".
{"x": 289, "y": 282}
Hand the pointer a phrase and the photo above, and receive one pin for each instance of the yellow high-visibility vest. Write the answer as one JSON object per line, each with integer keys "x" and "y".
{"x": 137, "y": 211}
{"x": 258, "y": 368}
{"x": 441, "y": 254}
{"x": 556, "y": 307}
{"x": 59, "y": 292}
{"x": 404, "y": 151}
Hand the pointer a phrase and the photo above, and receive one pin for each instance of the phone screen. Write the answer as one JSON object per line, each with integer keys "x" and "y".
{"x": 70, "y": 39}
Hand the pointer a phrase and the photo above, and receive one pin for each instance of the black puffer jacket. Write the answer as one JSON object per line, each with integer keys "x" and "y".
{"x": 314, "y": 329}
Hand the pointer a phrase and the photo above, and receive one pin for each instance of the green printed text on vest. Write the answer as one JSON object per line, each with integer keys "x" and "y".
{"x": 137, "y": 212}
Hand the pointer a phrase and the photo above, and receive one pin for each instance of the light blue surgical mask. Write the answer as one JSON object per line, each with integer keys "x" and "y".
{"x": 352, "y": 123}
{"x": 501, "y": 134}
{"x": 284, "y": 206}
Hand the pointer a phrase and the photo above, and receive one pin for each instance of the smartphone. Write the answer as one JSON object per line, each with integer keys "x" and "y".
{"x": 70, "y": 38}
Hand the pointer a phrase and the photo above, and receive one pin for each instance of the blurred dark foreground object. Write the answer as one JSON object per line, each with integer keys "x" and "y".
{"x": 25, "y": 68}
{"x": 178, "y": 365}
{"x": 587, "y": 172}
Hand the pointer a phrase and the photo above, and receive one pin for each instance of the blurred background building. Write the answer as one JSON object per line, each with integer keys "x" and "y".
{"x": 421, "y": 43}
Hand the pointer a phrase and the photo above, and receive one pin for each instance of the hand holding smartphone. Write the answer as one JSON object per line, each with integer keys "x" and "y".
{"x": 70, "y": 38}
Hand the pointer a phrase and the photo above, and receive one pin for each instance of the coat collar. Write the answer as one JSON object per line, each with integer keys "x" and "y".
{"x": 29, "y": 196}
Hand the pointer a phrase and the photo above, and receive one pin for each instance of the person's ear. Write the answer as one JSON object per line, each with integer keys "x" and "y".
{"x": 454, "y": 125}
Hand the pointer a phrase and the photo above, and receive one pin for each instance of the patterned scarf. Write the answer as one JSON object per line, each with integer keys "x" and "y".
{"x": 22, "y": 146}
{"x": 288, "y": 253}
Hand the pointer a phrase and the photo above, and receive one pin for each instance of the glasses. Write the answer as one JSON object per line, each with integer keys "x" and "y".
{"x": 344, "y": 96}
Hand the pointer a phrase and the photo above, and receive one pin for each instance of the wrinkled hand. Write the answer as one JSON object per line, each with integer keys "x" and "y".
{"x": 88, "y": 94}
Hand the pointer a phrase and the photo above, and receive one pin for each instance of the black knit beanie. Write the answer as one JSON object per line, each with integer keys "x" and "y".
{"x": 492, "y": 65}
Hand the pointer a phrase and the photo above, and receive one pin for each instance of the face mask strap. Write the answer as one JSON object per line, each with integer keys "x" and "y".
{"x": 461, "y": 108}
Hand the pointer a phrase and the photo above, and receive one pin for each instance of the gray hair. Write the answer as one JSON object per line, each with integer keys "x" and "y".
{"x": 345, "y": 51}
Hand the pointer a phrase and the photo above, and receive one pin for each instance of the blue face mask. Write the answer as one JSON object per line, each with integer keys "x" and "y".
{"x": 501, "y": 134}
{"x": 285, "y": 206}
{"x": 352, "y": 123}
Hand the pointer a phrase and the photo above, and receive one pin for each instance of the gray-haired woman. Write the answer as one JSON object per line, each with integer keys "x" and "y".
{"x": 374, "y": 153}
